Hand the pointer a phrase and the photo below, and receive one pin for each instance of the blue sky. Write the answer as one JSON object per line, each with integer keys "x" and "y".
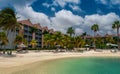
{"x": 61, "y": 14}
{"x": 85, "y": 7}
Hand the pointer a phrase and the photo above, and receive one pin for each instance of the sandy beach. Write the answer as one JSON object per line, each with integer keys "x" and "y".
{"x": 31, "y": 57}
{"x": 23, "y": 59}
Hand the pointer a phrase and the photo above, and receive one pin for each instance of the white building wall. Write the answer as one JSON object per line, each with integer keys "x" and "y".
{"x": 11, "y": 37}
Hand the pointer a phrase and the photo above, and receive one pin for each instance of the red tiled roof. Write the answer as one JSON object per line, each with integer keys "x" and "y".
{"x": 26, "y": 22}
{"x": 45, "y": 28}
{"x": 98, "y": 35}
{"x": 51, "y": 31}
{"x": 88, "y": 36}
{"x": 38, "y": 26}
{"x": 54, "y": 32}
{"x": 108, "y": 35}
{"x": 113, "y": 35}
{"x": 119, "y": 35}
{"x": 116, "y": 35}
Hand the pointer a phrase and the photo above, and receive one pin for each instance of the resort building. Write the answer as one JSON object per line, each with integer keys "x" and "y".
{"x": 38, "y": 35}
{"x": 28, "y": 34}
{"x": 99, "y": 36}
{"x": 109, "y": 37}
{"x": 26, "y": 28}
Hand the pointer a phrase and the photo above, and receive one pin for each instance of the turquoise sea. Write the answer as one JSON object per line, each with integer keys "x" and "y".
{"x": 86, "y": 65}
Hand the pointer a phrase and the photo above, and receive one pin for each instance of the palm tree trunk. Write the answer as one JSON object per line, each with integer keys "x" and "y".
{"x": 118, "y": 39}
{"x": 9, "y": 52}
{"x": 8, "y": 41}
{"x": 118, "y": 32}
{"x": 94, "y": 41}
{"x": 42, "y": 40}
{"x": 70, "y": 35}
{"x": 4, "y": 50}
{"x": 33, "y": 35}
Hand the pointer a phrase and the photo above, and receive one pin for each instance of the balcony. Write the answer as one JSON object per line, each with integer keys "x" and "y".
{"x": 26, "y": 31}
{"x": 25, "y": 28}
{"x": 39, "y": 36}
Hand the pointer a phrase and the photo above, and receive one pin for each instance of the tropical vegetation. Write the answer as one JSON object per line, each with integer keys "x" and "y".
{"x": 33, "y": 30}
{"x": 19, "y": 39}
{"x": 116, "y": 25}
{"x": 33, "y": 43}
{"x": 8, "y": 23}
{"x": 3, "y": 40}
{"x": 70, "y": 31}
{"x": 63, "y": 40}
{"x": 95, "y": 28}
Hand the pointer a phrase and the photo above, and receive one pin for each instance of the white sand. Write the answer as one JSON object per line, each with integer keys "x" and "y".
{"x": 31, "y": 57}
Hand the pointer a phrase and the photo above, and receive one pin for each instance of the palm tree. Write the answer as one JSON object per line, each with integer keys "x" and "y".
{"x": 65, "y": 40}
{"x": 84, "y": 34}
{"x": 4, "y": 42}
{"x": 109, "y": 39}
{"x": 25, "y": 41}
{"x": 33, "y": 30}
{"x": 70, "y": 31}
{"x": 18, "y": 39}
{"x": 33, "y": 43}
{"x": 116, "y": 25}
{"x": 47, "y": 38}
{"x": 99, "y": 42}
{"x": 8, "y": 21}
{"x": 3, "y": 39}
{"x": 44, "y": 32}
{"x": 57, "y": 38}
{"x": 78, "y": 42}
{"x": 95, "y": 28}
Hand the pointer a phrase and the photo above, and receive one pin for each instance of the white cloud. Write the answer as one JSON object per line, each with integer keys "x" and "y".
{"x": 104, "y": 21}
{"x": 25, "y": 11}
{"x": 115, "y": 2}
{"x": 46, "y": 5}
{"x": 109, "y": 2}
{"x": 35, "y": 17}
{"x": 62, "y": 3}
{"x": 75, "y": 8}
{"x": 53, "y": 9}
{"x": 64, "y": 19}
{"x": 109, "y": 32}
{"x": 102, "y": 1}
{"x": 79, "y": 31}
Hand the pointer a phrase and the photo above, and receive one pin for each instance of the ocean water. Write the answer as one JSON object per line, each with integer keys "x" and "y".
{"x": 86, "y": 65}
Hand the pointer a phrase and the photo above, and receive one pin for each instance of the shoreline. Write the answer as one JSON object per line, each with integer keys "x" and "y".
{"x": 31, "y": 57}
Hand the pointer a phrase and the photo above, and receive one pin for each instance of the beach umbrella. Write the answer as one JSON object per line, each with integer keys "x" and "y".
{"x": 114, "y": 45}
{"x": 58, "y": 46}
{"x": 110, "y": 44}
{"x": 22, "y": 45}
{"x": 87, "y": 45}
